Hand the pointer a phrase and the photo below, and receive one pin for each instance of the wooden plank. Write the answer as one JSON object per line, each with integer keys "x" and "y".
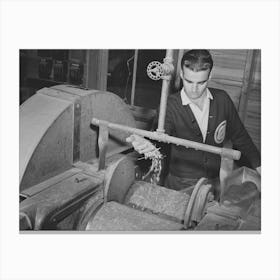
{"x": 102, "y": 69}
{"x": 257, "y": 73}
{"x": 248, "y": 73}
{"x": 178, "y": 68}
{"x": 96, "y": 69}
{"x": 228, "y": 71}
{"x": 253, "y": 112}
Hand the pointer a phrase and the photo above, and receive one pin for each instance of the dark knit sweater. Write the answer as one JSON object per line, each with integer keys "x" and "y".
{"x": 180, "y": 122}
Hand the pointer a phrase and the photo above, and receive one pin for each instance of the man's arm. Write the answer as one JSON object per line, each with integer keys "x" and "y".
{"x": 240, "y": 138}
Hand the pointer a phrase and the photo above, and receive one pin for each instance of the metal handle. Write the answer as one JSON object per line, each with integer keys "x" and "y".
{"x": 165, "y": 138}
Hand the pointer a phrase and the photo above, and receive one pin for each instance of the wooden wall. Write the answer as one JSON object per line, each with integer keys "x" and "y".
{"x": 252, "y": 118}
{"x": 228, "y": 72}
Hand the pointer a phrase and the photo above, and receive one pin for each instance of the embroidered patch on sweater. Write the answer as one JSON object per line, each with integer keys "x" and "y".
{"x": 220, "y": 132}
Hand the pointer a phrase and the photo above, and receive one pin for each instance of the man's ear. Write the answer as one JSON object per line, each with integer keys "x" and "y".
{"x": 210, "y": 76}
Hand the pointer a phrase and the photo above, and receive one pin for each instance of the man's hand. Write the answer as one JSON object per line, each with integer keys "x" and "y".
{"x": 144, "y": 146}
{"x": 140, "y": 144}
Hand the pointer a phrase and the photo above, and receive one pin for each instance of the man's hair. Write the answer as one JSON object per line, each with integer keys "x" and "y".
{"x": 197, "y": 60}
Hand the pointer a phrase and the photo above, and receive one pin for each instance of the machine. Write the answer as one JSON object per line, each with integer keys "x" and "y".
{"x": 77, "y": 172}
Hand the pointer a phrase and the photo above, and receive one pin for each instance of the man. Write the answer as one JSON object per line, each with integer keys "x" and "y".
{"x": 204, "y": 115}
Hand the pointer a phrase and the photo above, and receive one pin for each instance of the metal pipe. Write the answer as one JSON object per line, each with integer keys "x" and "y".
{"x": 164, "y": 94}
{"x": 162, "y": 137}
{"x": 134, "y": 77}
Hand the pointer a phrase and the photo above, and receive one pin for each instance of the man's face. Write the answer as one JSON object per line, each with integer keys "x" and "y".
{"x": 195, "y": 83}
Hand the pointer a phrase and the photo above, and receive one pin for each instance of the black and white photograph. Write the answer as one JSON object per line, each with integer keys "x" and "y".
{"x": 140, "y": 140}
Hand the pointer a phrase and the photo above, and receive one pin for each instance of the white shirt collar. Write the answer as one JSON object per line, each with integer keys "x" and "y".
{"x": 185, "y": 99}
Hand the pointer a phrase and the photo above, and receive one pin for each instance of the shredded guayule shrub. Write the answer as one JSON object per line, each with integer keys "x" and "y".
{"x": 156, "y": 166}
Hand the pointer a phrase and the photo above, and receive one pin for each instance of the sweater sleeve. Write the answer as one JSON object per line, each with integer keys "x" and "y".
{"x": 239, "y": 136}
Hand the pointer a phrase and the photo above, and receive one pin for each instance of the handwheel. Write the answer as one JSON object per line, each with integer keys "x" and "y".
{"x": 155, "y": 70}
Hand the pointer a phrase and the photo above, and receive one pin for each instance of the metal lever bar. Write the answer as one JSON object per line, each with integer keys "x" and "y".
{"x": 162, "y": 137}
